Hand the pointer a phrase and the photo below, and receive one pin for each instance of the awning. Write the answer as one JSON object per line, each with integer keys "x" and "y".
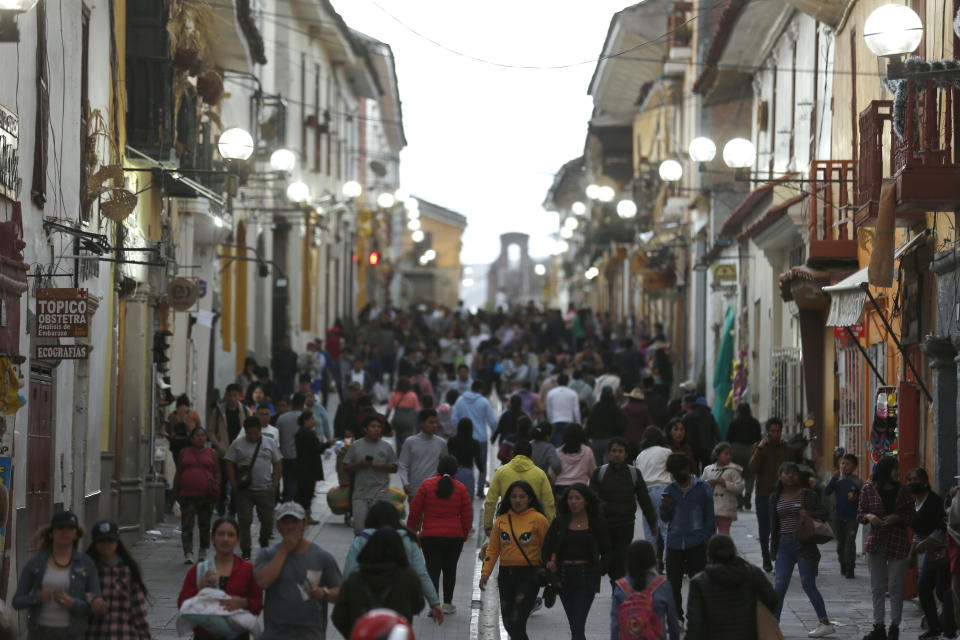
{"x": 847, "y": 298}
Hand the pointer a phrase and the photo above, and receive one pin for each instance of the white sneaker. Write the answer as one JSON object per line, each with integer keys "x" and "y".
{"x": 188, "y": 558}
{"x": 202, "y": 555}
{"x": 448, "y": 609}
{"x": 822, "y": 630}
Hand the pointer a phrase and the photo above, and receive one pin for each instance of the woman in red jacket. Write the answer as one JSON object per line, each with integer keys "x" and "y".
{"x": 226, "y": 571}
{"x": 442, "y": 514}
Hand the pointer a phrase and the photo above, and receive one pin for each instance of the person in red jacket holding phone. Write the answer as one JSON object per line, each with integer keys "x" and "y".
{"x": 442, "y": 514}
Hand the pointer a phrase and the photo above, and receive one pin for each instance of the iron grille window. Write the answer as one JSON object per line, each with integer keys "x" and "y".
{"x": 850, "y": 367}
{"x": 785, "y": 387}
{"x": 149, "y": 79}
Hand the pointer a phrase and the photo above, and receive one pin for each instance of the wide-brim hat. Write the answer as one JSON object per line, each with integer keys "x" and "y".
{"x": 636, "y": 394}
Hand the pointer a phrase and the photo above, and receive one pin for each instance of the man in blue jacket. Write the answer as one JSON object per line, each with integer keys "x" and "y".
{"x": 473, "y": 405}
{"x": 687, "y": 509}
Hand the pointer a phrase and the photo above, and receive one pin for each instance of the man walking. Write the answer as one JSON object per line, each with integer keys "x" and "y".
{"x": 371, "y": 460}
{"x": 298, "y": 578}
{"x": 284, "y": 365}
{"x": 475, "y": 406}
{"x": 563, "y": 408}
{"x": 421, "y": 453}
{"x": 765, "y": 461}
{"x": 253, "y": 467}
{"x": 287, "y": 426}
{"x": 226, "y": 423}
{"x": 521, "y": 467}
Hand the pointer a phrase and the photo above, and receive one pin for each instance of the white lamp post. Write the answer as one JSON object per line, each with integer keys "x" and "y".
{"x": 578, "y": 208}
{"x": 626, "y": 209}
{"x": 235, "y": 144}
{"x": 670, "y": 171}
{"x": 739, "y": 153}
{"x": 702, "y": 150}
{"x": 351, "y": 189}
{"x": 298, "y": 192}
{"x": 283, "y": 160}
{"x": 892, "y": 30}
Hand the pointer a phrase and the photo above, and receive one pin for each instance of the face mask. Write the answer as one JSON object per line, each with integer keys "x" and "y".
{"x": 916, "y": 487}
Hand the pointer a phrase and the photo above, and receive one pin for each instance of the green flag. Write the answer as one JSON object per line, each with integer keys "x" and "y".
{"x": 723, "y": 372}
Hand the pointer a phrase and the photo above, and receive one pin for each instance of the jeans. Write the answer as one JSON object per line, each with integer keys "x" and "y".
{"x": 886, "y": 574}
{"x": 682, "y": 562}
{"x": 931, "y": 586}
{"x": 600, "y": 446}
{"x": 199, "y": 510}
{"x": 360, "y": 506}
{"x": 483, "y": 463}
{"x": 749, "y": 479}
{"x": 518, "y": 593}
{"x": 621, "y": 535}
{"x": 763, "y": 524}
{"x": 788, "y": 555}
{"x": 656, "y": 493}
{"x": 52, "y": 633}
{"x": 558, "y": 428}
{"x": 465, "y": 475}
{"x": 289, "y": 479}
{"x": 265, "y": 503}
{"x": 576, "y": 594}
{"x": 846, "y": 533}
{"x": 441, "y": 556}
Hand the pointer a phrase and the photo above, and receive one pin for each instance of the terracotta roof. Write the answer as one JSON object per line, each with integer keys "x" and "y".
{"x": 721, "y": 37}
{"x": 770, "y": 217}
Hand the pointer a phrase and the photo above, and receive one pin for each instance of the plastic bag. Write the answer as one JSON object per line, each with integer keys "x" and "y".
{"x": 177, "y": 512}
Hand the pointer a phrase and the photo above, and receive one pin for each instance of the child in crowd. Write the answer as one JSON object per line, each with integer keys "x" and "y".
{"x": 846, "y": 484}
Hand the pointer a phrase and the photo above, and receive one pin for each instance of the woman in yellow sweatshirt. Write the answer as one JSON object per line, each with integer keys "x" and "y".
{"x": 516, "y": 539}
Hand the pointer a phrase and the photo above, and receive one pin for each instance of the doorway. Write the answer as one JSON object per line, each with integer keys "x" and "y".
{"x": 39, "y": 450}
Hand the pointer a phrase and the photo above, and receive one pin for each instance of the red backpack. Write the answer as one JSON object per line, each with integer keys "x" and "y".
{"x": 635, "y": 615}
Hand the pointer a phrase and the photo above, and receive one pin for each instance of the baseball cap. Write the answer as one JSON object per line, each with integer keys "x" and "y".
{"x": 64, "y": 519}
{"x": 106, "y": 530}
{"x": 290, "y": 509}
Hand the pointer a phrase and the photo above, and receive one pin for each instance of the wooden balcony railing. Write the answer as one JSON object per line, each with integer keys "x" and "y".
{"x": 830, "y": 231}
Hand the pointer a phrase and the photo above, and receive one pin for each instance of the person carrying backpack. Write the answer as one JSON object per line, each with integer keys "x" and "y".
{"x": 643, "y": 607}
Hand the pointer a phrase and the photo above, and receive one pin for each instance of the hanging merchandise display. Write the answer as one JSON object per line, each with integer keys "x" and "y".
{"x": 10, "y": 398}
{"x": 883, "y": 434}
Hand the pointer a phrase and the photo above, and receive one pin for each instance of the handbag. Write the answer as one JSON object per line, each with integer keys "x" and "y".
{"x": 768, "y": 627}
{"x": 245, "y": 477}
{"x": 543, "y": 576}
{"x": 813, "y": 530}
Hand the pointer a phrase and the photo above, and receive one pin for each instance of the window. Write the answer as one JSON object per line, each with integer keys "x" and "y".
{"x": 149, "y": 79}
{"x": 850, "y": 369}
{"x": 786, "y": 382}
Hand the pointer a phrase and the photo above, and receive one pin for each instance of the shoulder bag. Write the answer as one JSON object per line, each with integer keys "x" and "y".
{"x": 811, "y": 529}
{"x": 245, "y": 477}
{"x": 542, "y": 575}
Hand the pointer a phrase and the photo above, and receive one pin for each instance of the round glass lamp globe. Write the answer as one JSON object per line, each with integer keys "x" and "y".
{"x": 572, "y": 223}
{"x": 413, "y": 225}
{"x": 283, "y": 160}
{"x": 401, "y": 195}
{"x": 566, "y": 233}
{"x": 670, "y": 171}
{"x": 561, "y": 246}
{"x": 351, "y": 189}
{"x": 606, "y": 194}
{"x": 739, "y": 153}
{"x": 467, "y": 282}
{"x": 539, "y": 269}
{"x": 626, "y": 209}
{"x": 417, "y": 235}
{"x": 235, "y": 144}
{"x": 298, "y": 192}
{"x": 591, "y": 273}
{"x": 593, "y": 191}
{"x": 578, "y": 208}
{"x": 702, "y": 149}
{"x": 412, "y": 204}
{"x": 413, "y": 214}
{"x": 429, "y": 254}
{"x": 892, "y": 30}
{"x": 386, "y": 200}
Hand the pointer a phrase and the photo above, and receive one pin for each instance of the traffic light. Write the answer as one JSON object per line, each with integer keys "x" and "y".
{"x": 160, "y": 347}
{"x": 374, "y": 258}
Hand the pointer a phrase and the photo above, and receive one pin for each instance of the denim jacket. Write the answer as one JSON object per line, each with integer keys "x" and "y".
{"x": 690, "y": 517}
{"x": 84, "y": 580}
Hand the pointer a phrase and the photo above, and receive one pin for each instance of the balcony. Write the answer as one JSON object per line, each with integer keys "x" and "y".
{"x": 830, "y": 231}
{"x": 924, "y": 162}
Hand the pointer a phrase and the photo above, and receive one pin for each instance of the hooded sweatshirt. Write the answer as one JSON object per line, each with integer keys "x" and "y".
{"x": 529, "y": 530}
{"x": 723, "y": 601}
{"x": 375, "y": 586}
{"x": 474, "y": 406}
{"x": 576, "y": 467}
{"x": 519, "y": 468}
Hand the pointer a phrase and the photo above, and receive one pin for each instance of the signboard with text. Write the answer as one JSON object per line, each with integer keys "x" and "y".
{"x": 62, "y": 313}
{"x": 841, "y": 332}
{"x": 9, "y": 161}
{"x": 63, "y": 351}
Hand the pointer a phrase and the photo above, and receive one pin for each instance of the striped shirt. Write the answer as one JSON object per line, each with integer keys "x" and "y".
{"x": 788, "y": 509}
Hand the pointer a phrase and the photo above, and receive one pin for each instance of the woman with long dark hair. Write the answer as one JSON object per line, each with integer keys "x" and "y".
{"x": 227, "y": 572}
{"x": 121, "y": 614}
{"x": 403, "y": 407}
{"x": 575, "y": 550}
{"x": 516, "y": 540}
{"x": 788, "y": 504}
{"x": 467, "y": 452}
{"x": 442, "y": 514}
{"x": 886, "y": 507}
{"x": 576, "y": 459}
{"x": 676, "y": 433}
{"x": 929, "y": 524}
{"x": 642, "y": 575}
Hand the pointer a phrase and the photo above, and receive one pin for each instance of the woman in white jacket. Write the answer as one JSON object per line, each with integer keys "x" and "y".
{"x": 726, "y": 478}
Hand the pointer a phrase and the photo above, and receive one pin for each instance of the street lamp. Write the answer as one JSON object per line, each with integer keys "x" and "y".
{"x": 739, "y": 153}
{"x": 417, "y": 235}
{"x": 413, "y": 225}
{"x": 566, "y": 233}
{"x": 283, "y": 160}
{"x": 892, "y": 30}
{"x": 400, "y": 195}
{"x": 571, "y": 223}
{"x": 351, "y": 189}
{"x": 560, "y": 247}
{"x": 235, "y": 144}
{"x": 429, "y": 254}
{"x": 413, "y": 214}
{"x": 702, "y": 150}
{"x": 591, "y": 273}
{"x": 578, "y": 208}
{"x": 606, "y": 194}
{"x": 467, "y": 282}
{"x": 412, "y": 204}
{"x": 539, "y": 269}
{"x": 386, "y": 200}
{"x": 8, "y": 10}
{"x": 298, "y": 192}
{"x": 626, "y": 209}
{"x": 593, "y": 191}
{"x": 670, "y": 171}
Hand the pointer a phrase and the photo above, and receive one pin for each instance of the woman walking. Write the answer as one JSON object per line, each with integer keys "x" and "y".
{"x": 886, "y": 506}
{"x": 56, "y": 582}
{"x": 789, "y": 503}
{"x": 121, "y": 614}
{"x": 467, "y": 452}
{"x": 642, "y": 575}
{"x": 516, "y": 540}
{"x": 677, "y": 441}
{"x": 405, "y": 406}
{"x": 929, "y": 524}
{"x": 576, "y": 460}
{"x": 727, "y": 481}
{"x": 652, "y": 463}
{"x": 197, "y": 487}
{"x": 442, "y": 514}
{"x": 575, "y": 550}
{"x": 309, "y": 465}
{"x": 227, "y": 572}
{"x": 720, "y": 608}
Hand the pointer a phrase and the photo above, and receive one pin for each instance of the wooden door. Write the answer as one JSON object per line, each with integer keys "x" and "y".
{"x": 39, "y": 451}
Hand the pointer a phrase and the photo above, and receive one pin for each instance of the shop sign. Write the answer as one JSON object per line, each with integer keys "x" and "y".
{"x": 62, "y": 313}
{"x": 63, "y": 351}
{"x": 841, "y": 332}
{"x": 9, "y": 161}
{"x": 725, "y": 272}
{"x": 182, "y": 294}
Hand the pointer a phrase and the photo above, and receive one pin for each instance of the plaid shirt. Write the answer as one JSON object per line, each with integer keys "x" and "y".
{"x": 126, "y": 616}
{"x": 893, "y": 541}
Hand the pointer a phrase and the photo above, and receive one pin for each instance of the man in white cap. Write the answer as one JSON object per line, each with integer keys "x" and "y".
{"x": 298, "y": 578}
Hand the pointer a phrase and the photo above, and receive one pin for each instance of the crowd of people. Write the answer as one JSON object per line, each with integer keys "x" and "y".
{"x": 594, "y": 434}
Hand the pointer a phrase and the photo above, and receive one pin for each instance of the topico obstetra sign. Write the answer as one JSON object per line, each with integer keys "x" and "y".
{"x": 62, "y": 313}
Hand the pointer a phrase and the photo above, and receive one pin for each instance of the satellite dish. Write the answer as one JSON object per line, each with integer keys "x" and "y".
{"x": 378, "y": 168}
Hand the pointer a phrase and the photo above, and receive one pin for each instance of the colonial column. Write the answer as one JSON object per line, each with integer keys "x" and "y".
{"x": 943, "y": 364}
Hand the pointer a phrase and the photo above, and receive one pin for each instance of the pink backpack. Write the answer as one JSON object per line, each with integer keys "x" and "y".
{"x": 635, "y": 615}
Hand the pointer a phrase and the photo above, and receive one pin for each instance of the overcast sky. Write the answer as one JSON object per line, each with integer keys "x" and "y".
{"x": 483, "y": 140}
